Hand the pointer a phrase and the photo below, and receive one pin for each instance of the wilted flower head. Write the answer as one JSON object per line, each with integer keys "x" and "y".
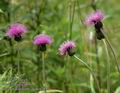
{"x": 42, "y": 40}
{"x": 16, "y": 30}
{"x": 95, "y": 17}
{"x": 68, "y": 47}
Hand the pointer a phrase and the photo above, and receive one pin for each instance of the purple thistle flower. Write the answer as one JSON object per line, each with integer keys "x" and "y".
{"x": 16, "y": 31}
{"x": 42, "y": 40}
{"x": 68, "y": 47}
{"x": 95, "y": 17}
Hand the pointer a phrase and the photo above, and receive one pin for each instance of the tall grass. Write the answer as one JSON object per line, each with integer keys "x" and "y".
{"x": 62, "y": 20}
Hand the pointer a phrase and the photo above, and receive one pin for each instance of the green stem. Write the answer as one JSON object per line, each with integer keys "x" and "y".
{"x": 66, "y": 82}
{"x": 90, "y": 59}
{"x": 44, "y": 72}
{"x": 98, "y": 62}
{"x": 92, "y": 83}
{"x": 11, "y": 52}
{"x": 18, "y": 60}
{"x": 79, "y": 15}
{"x": 38, "y": 67}
{"x": 18, "y": 69}
{"x": 112, "y": 49}
{"x": 91, "y": 71}
{"x": 108, "y": 67}
{"x": 71, "y": 16}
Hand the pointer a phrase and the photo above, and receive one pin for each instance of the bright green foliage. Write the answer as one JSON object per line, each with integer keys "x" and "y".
{"x": 53, "y": 18}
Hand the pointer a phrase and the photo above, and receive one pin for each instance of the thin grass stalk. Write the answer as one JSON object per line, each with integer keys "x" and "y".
{"x": 71, "y": 17}
{"x": 91, "y": 81}
{"x": 90, "y": 61}
{"x": 108, "y": 67}
{"x": 44, "y": 72}
{"x": 79, "y": 15}
{"x": 112, "y": 49}
{"x": 98, "y": 62}
{"x": 52, "y": 91}
{"x": 91, "y": 71}
{"x": 92, "y": 84}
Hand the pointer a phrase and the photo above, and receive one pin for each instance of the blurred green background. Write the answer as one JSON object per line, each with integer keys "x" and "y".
{"x": 52, "y": 17}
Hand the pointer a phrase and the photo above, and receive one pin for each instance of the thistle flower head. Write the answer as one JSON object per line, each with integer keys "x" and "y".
{"x": 68, "y": 47}
{"x": 42, "y": 40}
{"x": 95, "y": 17}
{"x": 16, "y": 30}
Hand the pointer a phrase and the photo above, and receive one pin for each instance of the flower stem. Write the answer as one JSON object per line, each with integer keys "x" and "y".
{"x": 92, "y": 87}
{"x": 91, "y": 71}
{"x": 18, "y": 68}
{"x": 108, "y": 67}
{"x": 44, "y": 72}
{"x": 11, "y": 53}
{"x": 18, "y": 60}
{"x": 38, "y": 67}
{"x": 98, "y": 62}
{"x": 67, "y": 74}
{"x": 112, "y": 49}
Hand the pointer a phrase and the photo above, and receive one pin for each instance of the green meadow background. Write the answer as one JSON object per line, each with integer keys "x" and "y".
{"x": 52, "y": 17}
